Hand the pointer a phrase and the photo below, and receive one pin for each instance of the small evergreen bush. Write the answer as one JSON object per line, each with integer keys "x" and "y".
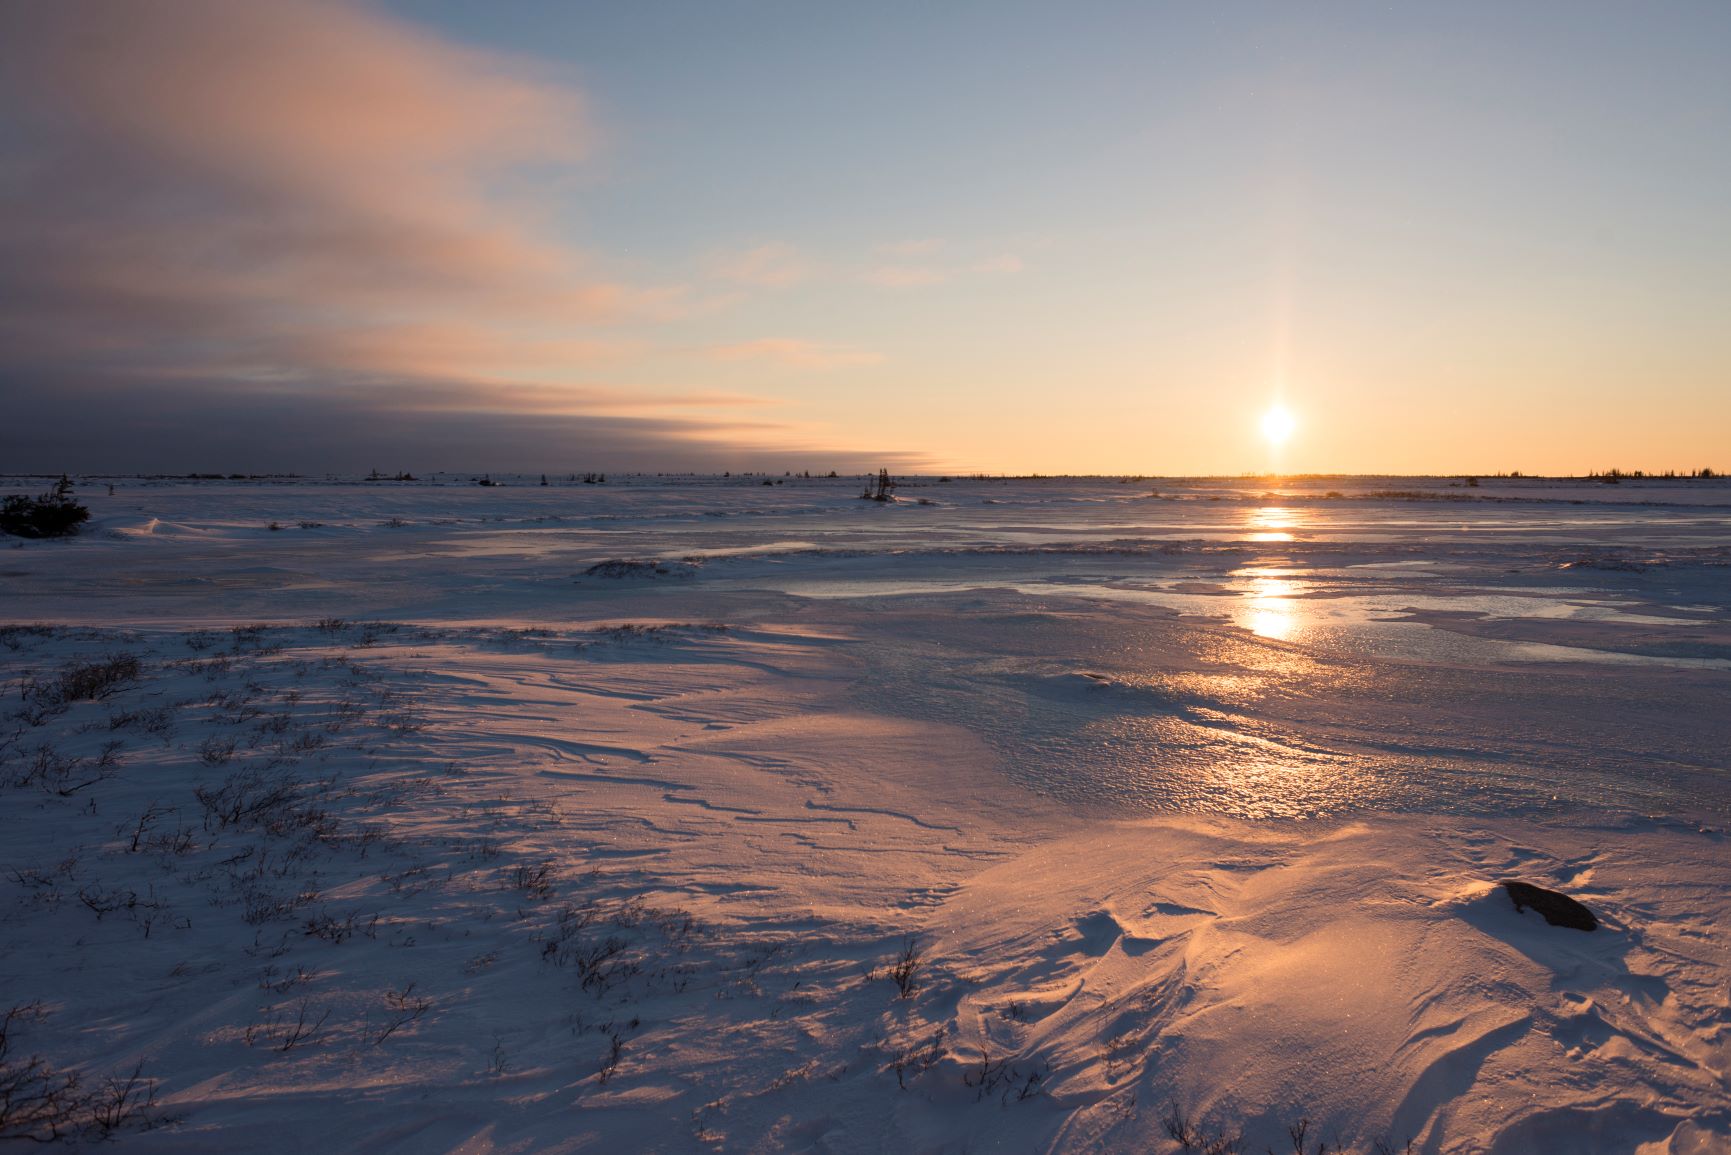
{"x": 53, "y": 514}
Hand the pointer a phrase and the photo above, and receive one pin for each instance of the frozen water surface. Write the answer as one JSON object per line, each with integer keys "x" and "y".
{"x": 1255, "y": 647}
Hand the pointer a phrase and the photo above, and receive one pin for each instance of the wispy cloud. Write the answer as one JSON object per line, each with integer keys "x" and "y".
{"x": 1005, "y": 263}
{"x": 512, "y": 398}
{"x": 773, "y": 266}
{"x": 796, "y": 353}
{"x": 905, "y": 276}
{"x": 909, "y": 249}
{"x": 214, "y": 169}
{"x": 917, "y": 274}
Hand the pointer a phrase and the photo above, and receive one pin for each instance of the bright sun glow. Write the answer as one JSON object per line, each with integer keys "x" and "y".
{"x": 1278, "y": 424}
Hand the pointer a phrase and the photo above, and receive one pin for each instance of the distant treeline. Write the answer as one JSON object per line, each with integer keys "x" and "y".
{"x": 1612, "y": 476}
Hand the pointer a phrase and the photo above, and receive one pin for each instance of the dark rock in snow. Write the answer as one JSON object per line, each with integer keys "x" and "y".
{"x": 1558, "y": 909}
{"x": 619, "y": 569}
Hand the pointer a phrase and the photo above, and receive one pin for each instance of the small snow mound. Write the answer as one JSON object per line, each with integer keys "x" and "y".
{"x": 156, "y": 527}
{"x": 1099, "y": 930}
{"x": 1485, "y": 905}
{"x": 1083, "y": 686}
{"x": 1102, "y": 929}
{"x": 1085, "y": 682}
{"x": 1601, "y": 1130}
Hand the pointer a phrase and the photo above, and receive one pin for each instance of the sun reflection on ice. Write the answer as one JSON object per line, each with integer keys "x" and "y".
{"x": 1273, "y": 523}
{"x": 1272, "y": 607}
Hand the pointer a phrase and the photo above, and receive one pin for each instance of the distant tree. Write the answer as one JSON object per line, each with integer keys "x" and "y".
{"x": 881, "y": 490}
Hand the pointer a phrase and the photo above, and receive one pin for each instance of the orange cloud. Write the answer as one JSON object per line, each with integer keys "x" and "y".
{"x": 277, "y": 228}
{"x": 287, "y": 190}
{"x": 301, "y": 157}
{"x": 796, "y": 353}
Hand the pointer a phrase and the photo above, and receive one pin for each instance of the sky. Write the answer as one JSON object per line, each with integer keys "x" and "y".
{"x": 1091, "y": 238}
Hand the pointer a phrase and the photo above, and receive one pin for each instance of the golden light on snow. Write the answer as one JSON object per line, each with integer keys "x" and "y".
{"x": 1270, "y": 609}
{"x": 1278, "y": 424}
{"x": 1272, "y": 523}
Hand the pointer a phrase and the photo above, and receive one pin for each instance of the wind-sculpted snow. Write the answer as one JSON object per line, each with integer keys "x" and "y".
{"x": 703, "y": 814}
{"x": 1237, "y": 971}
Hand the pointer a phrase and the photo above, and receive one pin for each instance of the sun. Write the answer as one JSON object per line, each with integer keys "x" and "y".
{"x": 1278, "y": 424}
